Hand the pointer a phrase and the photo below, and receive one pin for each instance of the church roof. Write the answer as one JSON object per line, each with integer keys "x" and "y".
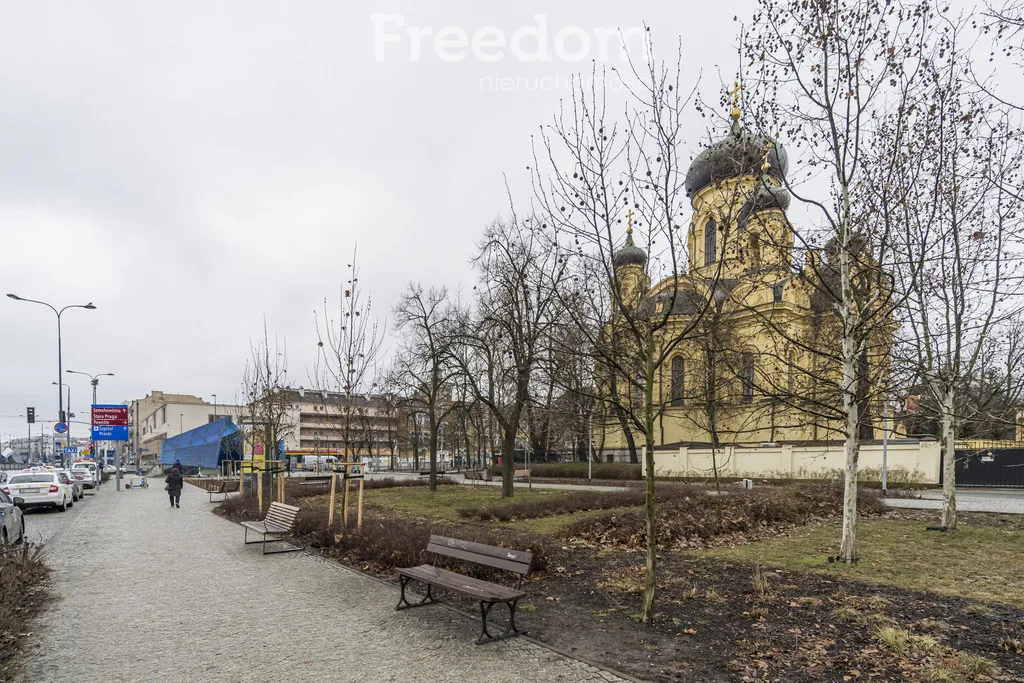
{"x": 741, "y": 152}
{"x": 629, "y": 254}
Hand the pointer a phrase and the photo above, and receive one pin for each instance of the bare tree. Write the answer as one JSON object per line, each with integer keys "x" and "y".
{"x": 605, "y": 177}
{"x": 499, "y": 341}
{"x": 823, "y": 74}
{"x": 961, "y": 236}
{"x": 346, "y": 366}
{"x": 267, "y": 405}
{"x": 424, "y": 363}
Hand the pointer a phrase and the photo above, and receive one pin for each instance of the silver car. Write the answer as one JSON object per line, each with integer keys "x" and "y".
{"x": 12, "y": 521}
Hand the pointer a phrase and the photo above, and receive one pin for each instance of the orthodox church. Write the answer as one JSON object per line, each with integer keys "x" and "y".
{"x": 749, "y": 336}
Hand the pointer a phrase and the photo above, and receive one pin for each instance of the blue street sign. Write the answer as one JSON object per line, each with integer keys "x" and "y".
{"x": 70, "y": 450}
{"x": 109, "y": 432}
{"x": 60, "y": 428}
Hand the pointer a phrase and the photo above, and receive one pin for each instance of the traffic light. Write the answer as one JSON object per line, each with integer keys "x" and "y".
{"x": 31, "y": 413}
{"x": 64, "y": 417}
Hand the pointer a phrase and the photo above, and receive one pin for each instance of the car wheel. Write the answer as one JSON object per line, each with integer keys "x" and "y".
{"x": 21, "y": 538}
{"x": 63, "y": 505}
{"x": 3, "y": 536}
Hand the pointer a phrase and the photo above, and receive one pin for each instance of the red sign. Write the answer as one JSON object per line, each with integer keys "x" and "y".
{"x": 110, "y": 415}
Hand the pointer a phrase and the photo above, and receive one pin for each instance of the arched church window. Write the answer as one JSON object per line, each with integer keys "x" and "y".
{"x": 677, "y": 380}
{"x": 747, "y": 376}
{"x": 710, "y": 242}
{"x": 777, "y": 291}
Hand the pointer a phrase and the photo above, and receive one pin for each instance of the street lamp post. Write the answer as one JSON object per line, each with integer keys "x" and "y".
{"x": 60, "y": 361}
{"x": 95, "y": 381}
{"x": 67, "y": 422}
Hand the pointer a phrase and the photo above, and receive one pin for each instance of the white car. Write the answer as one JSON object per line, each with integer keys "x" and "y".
{"x": 39, "y": 489}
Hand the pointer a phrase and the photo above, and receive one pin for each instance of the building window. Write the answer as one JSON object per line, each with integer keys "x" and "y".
{"x": 677, "y": 381}
{"x": 710, "y": 242}
{"x": 163, "y": 415}
{"x": 747, "y": 376}
{"x": 777, "y": 291}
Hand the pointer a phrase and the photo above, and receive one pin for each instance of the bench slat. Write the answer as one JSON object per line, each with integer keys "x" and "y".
{"x": 517, "y": 561}
{"x": 475, "y": 588}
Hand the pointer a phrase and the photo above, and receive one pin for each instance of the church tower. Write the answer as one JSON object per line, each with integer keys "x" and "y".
{"x": 629, "y": 262}
{"x": 736, "y": 190}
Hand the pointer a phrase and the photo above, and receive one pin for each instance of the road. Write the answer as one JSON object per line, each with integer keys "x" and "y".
{"x": 1006, "y": 501}
{"x": 148, "y": 592}
{"x": 41, "y": 524}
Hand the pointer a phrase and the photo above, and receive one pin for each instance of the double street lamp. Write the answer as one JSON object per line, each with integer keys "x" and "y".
{"x": 95, "y": 381}
{"x": 60, "y": 361}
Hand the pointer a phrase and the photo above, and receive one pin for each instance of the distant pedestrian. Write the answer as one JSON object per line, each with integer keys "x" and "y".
{"x": 174, "y": 483}
{"x": 177, "y": 463}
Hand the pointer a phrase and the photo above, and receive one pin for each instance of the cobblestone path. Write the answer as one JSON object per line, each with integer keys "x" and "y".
{"x": 149, "y": 593}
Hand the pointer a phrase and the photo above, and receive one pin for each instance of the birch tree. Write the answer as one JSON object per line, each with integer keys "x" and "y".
{"x": 961, "y": 238}
{"x": 823, "y": 74}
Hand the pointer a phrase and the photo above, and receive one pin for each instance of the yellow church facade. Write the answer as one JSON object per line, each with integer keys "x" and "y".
{"x": 751, "y": 340}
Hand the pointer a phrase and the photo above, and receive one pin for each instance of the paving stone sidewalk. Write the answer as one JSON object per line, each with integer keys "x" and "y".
{"x": 149, "y": 593}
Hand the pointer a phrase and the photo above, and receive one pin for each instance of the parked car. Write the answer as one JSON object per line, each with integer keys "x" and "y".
{"x": 39, "y": 489}
{"x": 93, "y": 470}
{"x": 12, "y": 521}
{"x": 75, "y": 481}
{"x": 88, "y": 481}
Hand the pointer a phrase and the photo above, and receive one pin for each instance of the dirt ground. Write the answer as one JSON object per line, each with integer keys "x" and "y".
{"x": 712, "y": 625}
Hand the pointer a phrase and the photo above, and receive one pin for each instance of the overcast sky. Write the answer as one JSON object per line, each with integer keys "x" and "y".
{"x": 191, "y": 167}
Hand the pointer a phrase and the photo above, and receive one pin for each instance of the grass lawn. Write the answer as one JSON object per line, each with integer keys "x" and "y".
{"x": 981, "y": 562}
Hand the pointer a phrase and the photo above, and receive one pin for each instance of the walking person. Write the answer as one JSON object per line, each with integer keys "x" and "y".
{"x": 174, "y": 483}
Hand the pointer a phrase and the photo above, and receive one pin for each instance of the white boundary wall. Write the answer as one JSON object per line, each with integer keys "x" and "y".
{"x": 909, "y": 461}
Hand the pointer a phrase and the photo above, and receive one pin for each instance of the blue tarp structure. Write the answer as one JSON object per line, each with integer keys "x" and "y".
{"x": 204, "y": 446}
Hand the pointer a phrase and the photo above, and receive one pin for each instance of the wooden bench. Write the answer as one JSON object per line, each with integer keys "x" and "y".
{"x": 225, "y": 487}
{"x": 489, "y": 594}
{"x": 279, "y": 521}
{"x": 521, "y": 474}
{"x": 315, "y": 481}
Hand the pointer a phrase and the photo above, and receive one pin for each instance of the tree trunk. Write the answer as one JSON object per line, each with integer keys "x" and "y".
{"x": 647, "y": 613}
{"x": 508, "y": 452}
{"x": 948, "y": 462}
{"x": 433, "y": 449}
{"x": 851, "y": 451}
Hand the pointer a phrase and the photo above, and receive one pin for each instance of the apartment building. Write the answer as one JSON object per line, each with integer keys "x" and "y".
{"x": 324, "y": 421}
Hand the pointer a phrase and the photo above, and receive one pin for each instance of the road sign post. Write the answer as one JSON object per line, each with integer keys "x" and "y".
{"x": 110, "y": 423}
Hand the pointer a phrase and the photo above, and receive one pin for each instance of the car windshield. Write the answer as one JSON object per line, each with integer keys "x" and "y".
{"x": 31, "y": 478}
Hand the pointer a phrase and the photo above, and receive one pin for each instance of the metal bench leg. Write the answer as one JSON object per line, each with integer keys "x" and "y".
{"x": 290, "y": 549}
{"x": 510, "y": 631}
{"x": 403, "y": 602}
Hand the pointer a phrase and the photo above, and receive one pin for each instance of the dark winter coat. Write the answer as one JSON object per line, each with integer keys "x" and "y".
{"x": 174, "y": 480}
